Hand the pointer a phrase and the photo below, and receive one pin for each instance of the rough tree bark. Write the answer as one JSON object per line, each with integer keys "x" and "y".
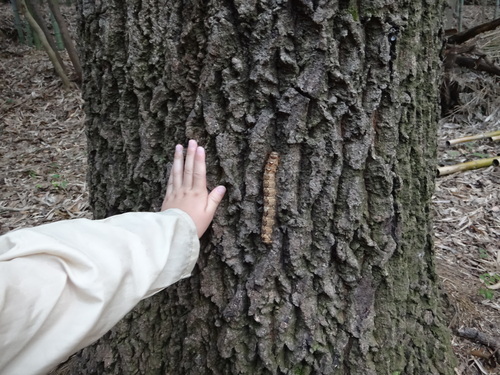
{"x": 347, "y": 93}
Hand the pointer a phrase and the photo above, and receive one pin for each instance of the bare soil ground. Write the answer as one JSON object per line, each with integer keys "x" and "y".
{"x": 43, "y": 167}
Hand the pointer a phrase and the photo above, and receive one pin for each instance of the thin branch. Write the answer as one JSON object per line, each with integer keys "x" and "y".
{"x": 68, "y": 43}
{"x": 471, "y": 33}
{"x": 477, "y": 64}
{"x": 58, "y": 67}
{"x": 36, "y": 12}
{"x": 14, "y": 209}
{"x": 484, "y": 339}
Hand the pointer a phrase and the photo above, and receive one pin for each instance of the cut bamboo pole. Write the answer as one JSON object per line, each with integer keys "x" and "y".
{"x": 495, "y": 138}
{"x": 471, "y": 138}
{"x": 470, "y": 165}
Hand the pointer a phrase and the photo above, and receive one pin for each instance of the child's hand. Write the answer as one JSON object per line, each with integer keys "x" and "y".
{"x": 187, "y": 187}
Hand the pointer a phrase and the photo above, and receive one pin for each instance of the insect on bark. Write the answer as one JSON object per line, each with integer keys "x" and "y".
{"x": 269, "y": 214}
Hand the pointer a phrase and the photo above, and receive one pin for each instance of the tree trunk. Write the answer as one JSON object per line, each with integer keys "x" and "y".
{"x": 347, "y": 94}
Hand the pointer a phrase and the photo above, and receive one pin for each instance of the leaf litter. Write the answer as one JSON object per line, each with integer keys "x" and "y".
{"x": 43, "y": 179}
{"x": 42, "y": 140}
{"x": 466, "y": 209}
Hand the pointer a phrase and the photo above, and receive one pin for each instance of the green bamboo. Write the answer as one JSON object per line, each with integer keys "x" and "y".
{"x": 57, "y": 33}
{"x": 30, "y": 37}
{"x": 24, "y": 31}
{"x": 18, "y": 23}
{"x": 36, "y": 39}
{"x": 66, "y": 38}
{"x": 58, "y": 66}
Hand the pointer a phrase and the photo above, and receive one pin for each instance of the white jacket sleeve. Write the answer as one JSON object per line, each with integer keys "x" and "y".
{"x": 64, "y": 285}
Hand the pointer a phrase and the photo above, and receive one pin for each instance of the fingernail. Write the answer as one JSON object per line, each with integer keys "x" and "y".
{"x": 200, "y": 150}
{"x": 178, "y": 148}
{"x": 192, "y": 143}
{"x": 221, "y": 189}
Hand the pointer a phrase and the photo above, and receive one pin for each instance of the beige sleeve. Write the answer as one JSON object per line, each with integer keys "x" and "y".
{"x": 64, "y": 285}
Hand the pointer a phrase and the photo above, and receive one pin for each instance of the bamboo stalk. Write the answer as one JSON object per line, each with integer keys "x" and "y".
{"x": 470, "y": 165}
{"x": 58, "y": 67}
{"x": 57, "y": 32}
{"x": 471, "y": 138}
{"x": 18, "y": 23}
{"x": 68, "y": 42}
{"x": 36, "y": 12}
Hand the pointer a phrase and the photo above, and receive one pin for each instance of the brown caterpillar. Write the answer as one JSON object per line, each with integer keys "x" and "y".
{"x": 269, "y": 214}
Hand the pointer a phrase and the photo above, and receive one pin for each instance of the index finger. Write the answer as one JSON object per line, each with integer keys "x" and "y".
{"x": 175, "y": 179}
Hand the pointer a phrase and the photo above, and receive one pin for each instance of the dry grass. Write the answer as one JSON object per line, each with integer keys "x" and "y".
{"x": 43, "y": 163}
{"x": 489, "y": 43}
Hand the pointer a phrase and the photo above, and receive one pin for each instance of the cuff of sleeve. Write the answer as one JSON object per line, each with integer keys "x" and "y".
{"x": 184, "y": 251}
{"x": 193, "y": 245}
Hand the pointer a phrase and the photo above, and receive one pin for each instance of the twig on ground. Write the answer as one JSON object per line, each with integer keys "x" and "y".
{"x": 481, "y": 338}
{"x": 471, "y": 33}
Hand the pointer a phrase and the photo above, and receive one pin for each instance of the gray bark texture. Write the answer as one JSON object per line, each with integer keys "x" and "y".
{"x": 347, "y": 93}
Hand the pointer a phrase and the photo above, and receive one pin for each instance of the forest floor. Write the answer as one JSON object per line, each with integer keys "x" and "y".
{"x": 43, "y": 169}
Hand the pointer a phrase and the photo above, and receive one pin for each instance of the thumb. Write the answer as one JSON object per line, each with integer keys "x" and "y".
{"x": 214, "y": 198}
